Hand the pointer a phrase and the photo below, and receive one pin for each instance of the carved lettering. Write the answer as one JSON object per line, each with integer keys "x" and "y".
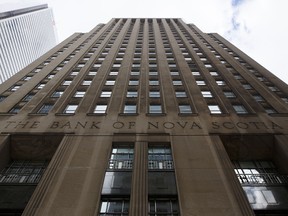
{"x": 182, "y": 125}
{"x": 154, "y": 125}
{"x": 131, "y": 124}
{"x": 9, "y": 123}
{"x": 81, "y": 125}
{"x": 228, "y": 125}
{"x": 194, "y": 124}
{"x": 35, "y": 124}
{"x": 55, "y": 125}
{"x": 242, "y": 125}
{"x": 168, "y": 125}
{"x": 215, "y": 125}
{"x": 95, "y": 125}
{"x": 67, "y": 124}
{"x": 118, "y": 125}
{"x": 23, "y": 125}
{"x": 275, "y": 126}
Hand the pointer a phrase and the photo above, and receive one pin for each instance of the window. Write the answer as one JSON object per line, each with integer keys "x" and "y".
{"x": 214, "y": 109}
{"x": 121, "y": 157}
{"x": 196, "y": 73}
{"x": 130, "y": 108}
{"x": 101, "y": 108}
{"x": 86, "y": 82}
{"x": 110, "y": 82}
{"x": 71, "y": 109}
{"x": 229, "y": 94}
{"x": 174, "y": 73}
{"x": 154, "y": 94}
{"x": 2, "y": 98}
{"x": 28, "y": 97}
{"x": 160, "y": 158}
{"x": 258, "y": 98}
{"x": 163, "y": 206}
{"x": 15, "y": 88}
{"x": 57, "y": 94}
{"x": 207, "y": 94}
{"x": 238, "y": 77}
{"x": 45, "y": 108}
{"x": 132, "y": 94}
{"x": 220, "y": 82}
{"x": 153, "y": 73}
{"x": 106, "y": 94}
{"x": 270, "y": 110}
{"x": 240, "y": 109}
{"x": 247, "y": 86}
{"x": 177, "y": 82}
{"x": 23, "y": 172}
{"x": 185, "y": 109}
{"x": 200, "y": 82}
{"x": 262, "y": 184}
{"x": 74, "y": 73}
{"x": 133, "y": 82}
{"x": 117, "y": 207}
{"x": 214, "y": 73}
{"x": 92, "y": 73}
{"x": 15, "y": 110}
{"x": 153, "y": 82}
{"x": 153, "y": 108}
{"x": 79, "y": 94}
{"x": 135, "y": 73}
{"x": 67, "y": 82}
{"x": 180, "y": 94}
{"x": 113, "y": 73}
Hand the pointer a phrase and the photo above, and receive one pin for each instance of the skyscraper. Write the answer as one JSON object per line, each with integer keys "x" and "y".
{"x": 26, "y": 33}
{"x": 144, "y": 117}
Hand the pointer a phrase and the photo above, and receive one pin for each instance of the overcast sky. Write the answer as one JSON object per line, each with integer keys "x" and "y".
{"x": 257, "y": 27}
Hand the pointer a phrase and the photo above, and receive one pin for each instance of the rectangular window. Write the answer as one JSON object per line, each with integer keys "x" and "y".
{"x": 28, "y": 97}
{"x": 106, "y": 94}
{"x": 220, "y": 82}
{"x": 133, "y": 82}
{"x": 214, "y": 73}
{"x": 57, "y": 94}
{"x": 154, "y": 94}
{"x": 214, "y": 109}
{"x": 86, "y": 82}
{"x": 79, "y": 94}
{"x": 258, "y": 98}
{"x": 110, "y": 82}
{"x": 130, "y": 108}
{"x": 229, "y": 94}
{"x": 23, "y": 172}
{"x": 196, "y": 73}
{"x": 113, "y": 206}
{"x": 153, "y": 82}
{"x": 121, "y": 157}
{"x": 186, "y": 109}
{"x": 160, "y": 158}
{"x": 67, "y": 82}
{"x": 163, "y": 206}
{"x": 177, "y": 82}
{"x": 100, "y": 108}
{"x": 200, "y": 82}
{"x": 155, "y": 109}
{"x": 180, "y": 94}
{"x": 240, "y": 109}
{"x": 45, "y": 108}
{"x": 132, "y": 94}
{"x": 70, "y": 109}
{"x": 207, "y": 94}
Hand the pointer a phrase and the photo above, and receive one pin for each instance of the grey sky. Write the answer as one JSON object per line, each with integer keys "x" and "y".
{"x": 257, "y": 27}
